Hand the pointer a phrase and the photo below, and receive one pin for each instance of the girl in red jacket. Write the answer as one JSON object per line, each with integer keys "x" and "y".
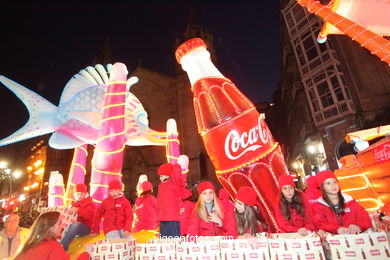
{"x": 209, "y": 218}
{"x": 293, "y": 211}
{"x": 146, "y": 209}
{"x": 42, "y": 243}
{"x": 116, "y": 212}
{"x": 168, "y": 198}
{"x": 336, "y": 212}
{"x": 248, "y": 216}
{"x": 86, "y": 209}
{"x": 186, "y": 207}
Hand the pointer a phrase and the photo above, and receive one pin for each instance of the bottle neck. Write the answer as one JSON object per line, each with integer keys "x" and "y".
{"x": 198, "y": 65}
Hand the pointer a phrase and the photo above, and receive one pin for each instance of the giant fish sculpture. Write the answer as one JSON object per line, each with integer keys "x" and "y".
{"x": 76, "y": 119}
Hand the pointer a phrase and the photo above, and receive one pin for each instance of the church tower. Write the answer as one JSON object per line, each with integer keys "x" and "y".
{"x": 191, "y": 143}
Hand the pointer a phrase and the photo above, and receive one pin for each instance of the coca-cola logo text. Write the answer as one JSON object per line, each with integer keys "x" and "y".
{"x": 237, "y": 144}
{"x": 382, "y": 154}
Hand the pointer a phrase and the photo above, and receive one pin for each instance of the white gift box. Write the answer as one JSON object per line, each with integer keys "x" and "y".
{"x": 294, "y": 246}
{"x": 118, "y": 248}
{"x": 369, "y": 245}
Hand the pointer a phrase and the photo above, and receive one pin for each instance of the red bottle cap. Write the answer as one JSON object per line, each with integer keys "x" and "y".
{"x": 188, "y": 47}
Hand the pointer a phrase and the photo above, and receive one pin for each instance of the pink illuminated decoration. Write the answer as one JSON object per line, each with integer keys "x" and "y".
{"x": 173, "y": 144}
{"x": 89, "y": 114}
{"x": 108, "y": 156}
{"x": 76, "y": 119}
{"x": 77, "y": 172}
{"x": 173, "y": 148}
{"x": 371, "y": 14}
{"x": 236, "y": 138}
{"x": 375, "y": 43}
{"x": 56, "y": 190}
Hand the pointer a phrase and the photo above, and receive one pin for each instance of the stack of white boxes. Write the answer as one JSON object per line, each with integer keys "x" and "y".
{"x": 204, "y": 248}
{"x": 371, "y": 245}
{"x": 252, "y": 248}
{"x": 293, "y": 246}
{"x": 156, "y": 250}
{"x": 118, "y": 249}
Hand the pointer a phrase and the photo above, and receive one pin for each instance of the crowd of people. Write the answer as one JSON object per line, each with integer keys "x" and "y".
{"x": 178, "y": 211}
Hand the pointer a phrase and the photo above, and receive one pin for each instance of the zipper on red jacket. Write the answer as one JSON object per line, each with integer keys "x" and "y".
{"x": 215, "y": 231}
{"x": 116, "y": 215}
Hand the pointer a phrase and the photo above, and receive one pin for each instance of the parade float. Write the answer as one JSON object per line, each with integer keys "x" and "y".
{"x": 237, "y": 140}
{"x": 366, "y": 175}
{"x": 364, "y": 21}
{"x": 97, "y": 108}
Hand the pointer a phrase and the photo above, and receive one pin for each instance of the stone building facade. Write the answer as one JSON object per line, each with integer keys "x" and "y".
{"x": 325, "y": 91}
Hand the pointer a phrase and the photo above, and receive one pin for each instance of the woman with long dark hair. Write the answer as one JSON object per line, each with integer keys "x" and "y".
{"x": 248, "y": 216}
{"x": 293, "y": 212}
{"x": 42, "y": 243}
{"x": 337, "y": 212}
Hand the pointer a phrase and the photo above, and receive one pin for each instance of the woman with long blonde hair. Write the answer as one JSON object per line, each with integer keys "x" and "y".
{"x": 209, "y": 217}
{"x": 42, "y": 243}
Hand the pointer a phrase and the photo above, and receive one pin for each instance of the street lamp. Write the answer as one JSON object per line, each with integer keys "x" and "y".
{"x": 311, "y": 149}
{"x": 5, "y": 173}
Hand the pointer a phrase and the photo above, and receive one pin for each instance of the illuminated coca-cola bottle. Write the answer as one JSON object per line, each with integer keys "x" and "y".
{"x": 236, "y": 138}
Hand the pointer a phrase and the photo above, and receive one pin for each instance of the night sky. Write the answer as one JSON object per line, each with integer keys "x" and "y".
{"x": 43, "y": 45}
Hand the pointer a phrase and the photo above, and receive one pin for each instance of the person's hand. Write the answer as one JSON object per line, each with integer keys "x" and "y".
{"x": 88, "y": 248}
{"x": 72, "y": 210}
{"x": 93, "y": 234}
{"x": 245, "y": 236}
{"x": 303, "y": 231}
{"x": 342, "y": 231}
{"x": 214, "y": 218}
{"x": 127, "y": 234}
{"x": 386, "y": 219}
{"x": 353, "y": 229}
{"x": 323, "y": 234}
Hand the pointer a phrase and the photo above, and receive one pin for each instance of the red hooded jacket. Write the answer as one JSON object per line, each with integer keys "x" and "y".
{"x": 296, "y": 220}
{"x": 147, "y": 213}
{"x": 312, "y": 192}
{"x": 202, "y": 228}
{"x": 169, "y": 197}
{"x": 85, "y": 211}
{"x": 325, "y": 218}
{"x": 312, "y": 195}
{"x": 186, "y": 208}
{"x": 117, "y": 214}
{"x": 48, "y": 249}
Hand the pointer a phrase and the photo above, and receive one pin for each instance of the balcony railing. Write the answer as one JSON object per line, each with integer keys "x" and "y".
{"x": 333, "y": 112}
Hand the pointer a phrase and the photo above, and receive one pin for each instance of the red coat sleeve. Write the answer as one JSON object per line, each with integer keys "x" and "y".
{"x": 193, "y": 228}
{"x": 362, "y": 219}
{"x": 309, "y": 216}
{"x": 128, "y": 215}
{"x": 229, "y": 224}
{"x": 87, "y": 212}
{"x": 321, "y": 218}
{"x": 98, "y": 217}
{"x": 58, "y": 253}
{"x": 283, "y": 223}
{"x": 152, "y": 211}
